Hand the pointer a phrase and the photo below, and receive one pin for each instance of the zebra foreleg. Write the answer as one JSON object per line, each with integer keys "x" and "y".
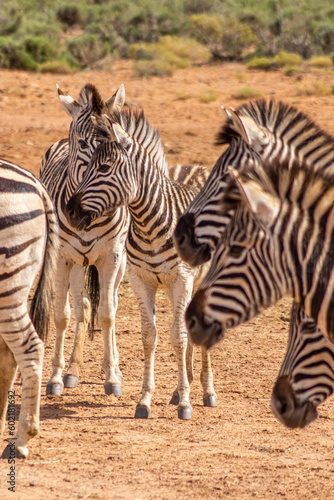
{"x": 31, "y": 371}
{"x": 110, "y": 276}
{"x": 82, "y": 315}
{"x": 62, "y": 316}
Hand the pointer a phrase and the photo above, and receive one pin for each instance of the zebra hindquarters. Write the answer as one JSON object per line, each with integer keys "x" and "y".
{"x": 29, "y": 242}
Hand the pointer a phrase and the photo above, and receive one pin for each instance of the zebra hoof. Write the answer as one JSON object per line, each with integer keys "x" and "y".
{"x": 115, "y": 389}
{"x": 185, "y": 413}
{"x": 210, "y": 401}
{"x": 8, "y": 452}
{"x": 54, "y": 389}
{"x": 142, "y": 412}
{"x": 174, "y": 400}
{"x": 70, "y": 381}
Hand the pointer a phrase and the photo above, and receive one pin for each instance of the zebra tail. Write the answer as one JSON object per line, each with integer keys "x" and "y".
{"x": 93, "y": 289}
{"x": 42, "y": 302}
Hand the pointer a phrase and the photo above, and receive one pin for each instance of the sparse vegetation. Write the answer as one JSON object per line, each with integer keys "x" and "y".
{"x": 320, "y": 62}
{"x": 316, "y": 88}
{"x": 208, "y": 97}
{"x": 247, "y": 93}
{"x": 35, "y": 35}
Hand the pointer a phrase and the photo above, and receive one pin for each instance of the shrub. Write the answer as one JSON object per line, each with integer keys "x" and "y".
{"x": 287, "y": 59}
{"x": 320, "y": 62}
{"x": 13, "y": 56}
{"x": 206, "y": 29}
{"x": 147, "y": 69}
{"x": 86, "y": 49}
{"x": 316, "y": 88}
{"x": 60, "y": 66}
{"x": 209, "y": 97}
{"x": 71, "y": 15}
{"x": 40, "y": 49}
{"x": 260, "y": 63}
{"x": 185, "y": 48}
{"x": 246, "y": 93}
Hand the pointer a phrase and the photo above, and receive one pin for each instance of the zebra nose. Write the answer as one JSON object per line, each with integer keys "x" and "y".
{"x": 186, "y": 244}
{"x": 76, "y": 216}
{"x": 183, "y": 231}
{"x": 202, "y": 333}
{"x": 286, "y": 407}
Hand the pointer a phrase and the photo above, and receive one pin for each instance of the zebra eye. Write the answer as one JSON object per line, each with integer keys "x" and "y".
{"x": 236, "y": 250}
{"x": 83, "y": 144}
{"x": 104, "y": 167}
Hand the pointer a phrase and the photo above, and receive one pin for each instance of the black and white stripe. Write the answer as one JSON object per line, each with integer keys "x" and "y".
{"x": 28, "y": 246}
{"x": 122, "y": 173}
{"x": 279, "y": 241}
{"x": 101, "y": 245}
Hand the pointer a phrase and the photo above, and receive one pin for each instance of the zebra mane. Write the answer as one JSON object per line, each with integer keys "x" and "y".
{"x": 278, "y": 118}
{"x": 296, "y": 182}
{"x": 135, "y": 123}
{"x": 89, "y": 95}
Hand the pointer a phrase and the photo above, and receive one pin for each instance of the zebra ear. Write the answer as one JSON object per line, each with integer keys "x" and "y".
{"x": 121, "y": 136}
{"x": 265, "y": 206}
{"x": 116, "y": 101}
{"x": 247, "y": 129}
{"x": 67, "y": 102}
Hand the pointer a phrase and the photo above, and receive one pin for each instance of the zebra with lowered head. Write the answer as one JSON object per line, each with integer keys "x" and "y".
{"x": 123, "y": 173}
{"x": 101, "y": 245}
{"x": 29, "y": 240}
{"x": 279, "y": 241}
{"x": 261, "y": 129}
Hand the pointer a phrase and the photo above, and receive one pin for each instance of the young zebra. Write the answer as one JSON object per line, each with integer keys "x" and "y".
{"x": 101, "y": 245}
{"x": 279, "y": 241}
{"x": 29, "y": 238}
{"x": 122, "y": 173}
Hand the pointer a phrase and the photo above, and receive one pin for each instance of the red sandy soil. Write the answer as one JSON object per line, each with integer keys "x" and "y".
{"x": 90, "y": 446}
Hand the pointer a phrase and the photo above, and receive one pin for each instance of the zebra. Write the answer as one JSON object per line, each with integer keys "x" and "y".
{"x": 102, "y": 245}
{"x": 306, "y": 377}
{"x": 29, "y": 240}
{"x": 258, "y": 130}
{"x": 279, "y": 241}
{"x": 122, "y": 173}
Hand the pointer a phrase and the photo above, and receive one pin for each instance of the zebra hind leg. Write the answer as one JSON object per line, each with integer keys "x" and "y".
{"x": 31, "y": 371}
{"x": 8, "y": 369}
{"x": 190, "y": 372}
{"x": 82, "y": 312}
{"x": 209, "y": 395}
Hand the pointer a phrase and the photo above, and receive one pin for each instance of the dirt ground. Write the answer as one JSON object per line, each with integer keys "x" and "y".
{"x": 90, "y": 446}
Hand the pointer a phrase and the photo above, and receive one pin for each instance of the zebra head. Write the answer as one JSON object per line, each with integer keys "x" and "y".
{"x": 202, "y": 224}
{"x": 242, "y": 279}
{"x": 82, "y": 140}
{"x": 110, "y": 180}
{"x": 306, "y": 377}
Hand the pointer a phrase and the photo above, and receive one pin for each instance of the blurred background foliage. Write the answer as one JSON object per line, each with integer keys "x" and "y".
{"x": 161, "y": 35}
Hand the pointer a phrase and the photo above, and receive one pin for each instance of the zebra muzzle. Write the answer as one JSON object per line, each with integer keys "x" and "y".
{"x": 76, "y": 216}
{"x": 201, "y": 332}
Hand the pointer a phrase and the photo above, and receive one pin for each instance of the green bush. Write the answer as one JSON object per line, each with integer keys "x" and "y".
{"x": 260, "y": 63}
{"x": 287, "y": 59}
{"x": 71, "y": 14}
{"x": 40, "y": 49}
{"x": 13, "y": 56}
{"x": 86, "y": 50}
{"x": 320, "y": 62}
{"x": 206, "y": 28}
